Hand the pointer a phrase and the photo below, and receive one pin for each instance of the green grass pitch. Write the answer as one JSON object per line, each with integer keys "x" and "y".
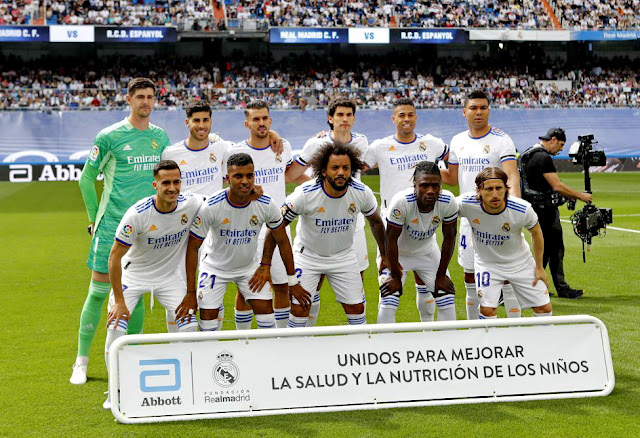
{"x": 44, "y": 281}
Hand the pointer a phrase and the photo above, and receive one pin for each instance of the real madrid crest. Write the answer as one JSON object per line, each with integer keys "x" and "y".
{"x": 423, "y": 146}
{"x": 225, "y": 372}
{"x": 487, "y": 148}
{"x": 435, "y": 219}
{"x": 154, "y": 144}
{"x": 212, "y": 157}
{"x": 278, "y": 158}
{"x": 506, "y": 227}
{"x": 352, "y": 208}
{"x": 254, "y": 220}
{"x": 184, "y": 219}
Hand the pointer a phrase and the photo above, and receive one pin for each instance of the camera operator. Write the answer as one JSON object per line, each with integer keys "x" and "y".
{"x": 544, "y": 190}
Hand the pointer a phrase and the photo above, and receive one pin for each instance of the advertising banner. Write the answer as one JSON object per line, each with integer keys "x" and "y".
{"x": 308, "y": 35}
{"x": 24, "y": 33}
{"x": 136, "y": 34}
{"x": 428, "y": 36}
{"x": 360, "y": 370}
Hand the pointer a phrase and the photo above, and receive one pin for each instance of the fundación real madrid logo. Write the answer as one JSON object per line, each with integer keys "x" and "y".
{"x": 506, "y": 227}
{"x": 352, "y": 208}
{"x": 422, "y": 146}
{"x": 225, "y": 372}
{"x": 487, "y": 148}
{"x": 154, "y": 144}
{"x": 212, "y": 157}
{"x": 254, "y": 220}
{"x": 435, "y": 219}
{"x": 184, "y": 219}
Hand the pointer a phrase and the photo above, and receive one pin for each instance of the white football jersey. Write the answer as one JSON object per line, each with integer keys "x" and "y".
{"x": 269, "y": 168}
{"x": 472, "y": 155}
{"x": 233, "y": 231}
{"x": 200, "y": 171}
{"x": 418, "y": 235}
{"x": 158, "y": 240}
{"x": 396, "y": 160}
{"x": 498, "y": 238}
{"x": 312, "y": 145}
{"x": 328, "y": 224}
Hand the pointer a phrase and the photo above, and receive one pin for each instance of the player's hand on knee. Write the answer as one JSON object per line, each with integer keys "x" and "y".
{"x": 188, "y": 307}
{"x": 444, "y": 284}
{"x": 393, "y": 286}
{"x": 303, "y": 297}
{"x": 117, "y": 312}
{"x": 540, "y": 275}
{"x": 261, "y": 277}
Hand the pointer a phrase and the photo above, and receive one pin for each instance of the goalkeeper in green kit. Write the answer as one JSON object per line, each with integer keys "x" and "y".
{"x": 125, "y": 153}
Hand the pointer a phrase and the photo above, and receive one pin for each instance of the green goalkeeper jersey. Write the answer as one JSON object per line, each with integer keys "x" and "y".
{"x": 126, "y": 157}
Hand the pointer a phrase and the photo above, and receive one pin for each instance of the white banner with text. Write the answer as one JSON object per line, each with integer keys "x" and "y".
{"x": 288, "y": 371}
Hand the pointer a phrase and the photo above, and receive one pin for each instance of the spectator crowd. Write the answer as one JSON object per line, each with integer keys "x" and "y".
{"x": 199, "y": 14}
{"x": 310, "y": 81}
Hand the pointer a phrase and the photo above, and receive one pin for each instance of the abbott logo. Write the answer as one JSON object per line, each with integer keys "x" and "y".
{"x": 152, "y": 380}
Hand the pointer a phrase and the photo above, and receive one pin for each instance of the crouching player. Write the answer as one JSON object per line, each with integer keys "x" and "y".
{"x": 328, "y": 207}
{"x": 233, "y": 221}
{"x": 501, "y": 252}
{"x": 413, "y": 217}
{"x": 148, "y": 252}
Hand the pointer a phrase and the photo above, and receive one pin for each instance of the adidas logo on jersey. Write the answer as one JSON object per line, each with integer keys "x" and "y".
{"x": 476, "y": 221}
{"x": 226, "y": 221}
{"x": 126, "y": 148}
{"x": 415, "y": 220}
{"x": 153, "y": 228}
{"x": 392, "y": 148}
{"x": 182, "y": 163}
{"x": 321, "y": 210}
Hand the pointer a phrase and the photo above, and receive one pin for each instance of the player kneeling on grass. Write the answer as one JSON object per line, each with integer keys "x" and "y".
{"x": 233, "y": 221}
{"x": 501, "y": 251}
{"x": 148, "y": 252}
{"x": 413, "y": 217}
{"x": 328, "y": 207}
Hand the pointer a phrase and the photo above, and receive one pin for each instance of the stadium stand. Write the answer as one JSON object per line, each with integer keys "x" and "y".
{"x": 598, "y": 14}
{"x": 311, "y": 81}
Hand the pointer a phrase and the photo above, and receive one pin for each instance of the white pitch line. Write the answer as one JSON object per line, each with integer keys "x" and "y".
{"x": 610, "y": 228}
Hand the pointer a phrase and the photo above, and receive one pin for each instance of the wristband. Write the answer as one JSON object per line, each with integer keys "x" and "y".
{"x": 293, "y": 280}
{"x": 265, "y": 264}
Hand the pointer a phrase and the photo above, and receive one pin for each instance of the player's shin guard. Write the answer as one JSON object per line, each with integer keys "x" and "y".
{"x": 387, "y": 309}
{"x": 188, "y": 324}
{"x": 425, "y": 302}
{"x": 209, "y": 325}
{"x": 112, "y": 335}
{"x": 473, "y": 303}
{"x": 137, "y": 319}
{"x": 511, "y": 305}
{"x": 90, "y": 316}
{"x": 282, "y": 316}
{"x": 446, "y": 305}
{"x": 297, "y": 321}
{"x": 356, "y": 319}
{"x": 313, "y": 312}
{"x": 243, "y": 319}
{"x": 266, "y": 321}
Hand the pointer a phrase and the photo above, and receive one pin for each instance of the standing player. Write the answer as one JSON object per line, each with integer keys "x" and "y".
{"x": 328, "y": 208}
{"x": 148, "y": 253}
{"x": 201, "y": 158}
{"x": 233, "y": 221}
{"x": 125, "y": 153}
{"x": 501, "y": 251}
{"x": 395, "y": 156}
{"x": 271, "y": 173}
{"x": 479, "y": 147}
{"x": 414, "y": 216}
{"x": 341, "y": 115}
